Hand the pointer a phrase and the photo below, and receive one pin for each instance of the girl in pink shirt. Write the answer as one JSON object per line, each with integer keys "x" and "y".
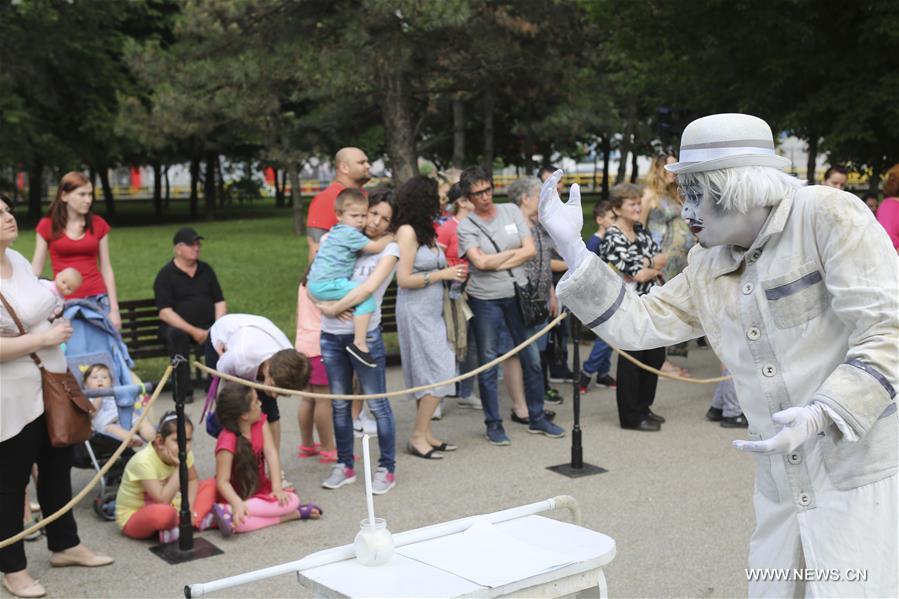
{"x": 250, "y": 496}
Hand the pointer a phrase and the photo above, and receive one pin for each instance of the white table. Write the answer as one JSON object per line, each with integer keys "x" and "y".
{"x": 406, "y": 577}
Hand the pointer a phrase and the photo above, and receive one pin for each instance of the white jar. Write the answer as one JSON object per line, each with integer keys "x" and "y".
{"x": 373, "y": 544}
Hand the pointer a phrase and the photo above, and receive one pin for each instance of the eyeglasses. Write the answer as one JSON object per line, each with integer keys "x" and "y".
{"x": 480, "y": 193}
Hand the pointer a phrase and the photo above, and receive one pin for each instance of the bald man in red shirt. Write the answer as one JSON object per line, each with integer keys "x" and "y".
{"x": 352, "y": 171}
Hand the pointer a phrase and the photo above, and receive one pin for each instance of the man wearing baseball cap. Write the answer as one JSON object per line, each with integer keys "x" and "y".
{"x": 189, "y": 299}
{"x": 797, "y": 290}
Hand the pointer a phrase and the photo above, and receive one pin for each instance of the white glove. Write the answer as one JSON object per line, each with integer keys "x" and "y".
{"x": 799, "y": 425}
{"x": 563, "y": 222}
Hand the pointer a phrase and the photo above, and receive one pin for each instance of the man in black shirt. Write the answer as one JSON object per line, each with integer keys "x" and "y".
{"x": 190, "y": 300}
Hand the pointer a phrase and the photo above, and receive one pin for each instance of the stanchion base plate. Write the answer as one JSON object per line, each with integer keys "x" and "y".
{"x": 172, "y": 554}
{"x": 567, "y": 470}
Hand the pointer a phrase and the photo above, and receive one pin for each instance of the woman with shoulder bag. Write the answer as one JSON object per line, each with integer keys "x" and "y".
{"x": 497, "y": 242}
{"x": 24, "y": 439}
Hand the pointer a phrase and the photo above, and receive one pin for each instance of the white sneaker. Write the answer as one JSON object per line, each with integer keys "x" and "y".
{"x": 365, "y": 425}
{"x": 382, "y": 481}
{"x": 438, "y": 413}
{"x": 471, "y": 402}
{"x": 340, "y": 475}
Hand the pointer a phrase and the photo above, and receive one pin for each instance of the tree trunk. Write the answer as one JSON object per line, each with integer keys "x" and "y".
{"x": 157, "y": 189}
{"x": 489, "y": 109}
{"x": 458, "y": 131}
{"x": 398, "y": 129}
{"x": 168, "y": 186}
{"x": 279, "y": 191}
{"x": 812, "y": 162}
{"x": 299, "y": 206}
{"x": 284, "y": 188}
{"x": 220, "y": 181}
{"x": 194, "y": 183}
{"x": 595, "y": 167}
{"x": 209, "y": 185}
{"x": 624, "y": 150}
{"x": 635, "y": 168}
{"x": 874, "y": 181}
{"x": 606, "y": 152}
{"x": 108, "y": 199}
{"x": 35, "y": 187}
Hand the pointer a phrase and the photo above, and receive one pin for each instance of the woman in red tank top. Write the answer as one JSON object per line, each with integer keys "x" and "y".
{"x": 75, "y": 237}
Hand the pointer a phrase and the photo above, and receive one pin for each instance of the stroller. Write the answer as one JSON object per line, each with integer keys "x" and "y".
{"x": 95, "y": 340}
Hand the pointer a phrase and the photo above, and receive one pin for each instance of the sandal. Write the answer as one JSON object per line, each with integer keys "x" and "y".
{"x": 431, "y": 455}
{"x": 304, "y": 451}
{"x": 327, "y": 457}
{"x": 305, "y": 511}
{"x": 445, "y": 446}
{"x": 223, "y": 520}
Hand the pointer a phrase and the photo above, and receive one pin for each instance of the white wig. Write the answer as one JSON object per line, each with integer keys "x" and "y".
{"x": 742, "y": 188}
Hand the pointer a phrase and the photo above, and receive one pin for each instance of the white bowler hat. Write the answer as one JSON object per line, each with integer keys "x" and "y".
{"x": 725, "y": 141}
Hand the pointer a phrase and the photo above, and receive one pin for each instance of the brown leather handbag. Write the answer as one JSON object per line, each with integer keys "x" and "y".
{"x": 66, "y": 410}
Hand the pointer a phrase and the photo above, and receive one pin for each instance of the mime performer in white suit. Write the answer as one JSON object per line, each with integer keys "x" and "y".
{"x": 797, "y": 290}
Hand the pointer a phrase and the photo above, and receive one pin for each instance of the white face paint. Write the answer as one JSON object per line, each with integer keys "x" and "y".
{"x": 713, "y": 225}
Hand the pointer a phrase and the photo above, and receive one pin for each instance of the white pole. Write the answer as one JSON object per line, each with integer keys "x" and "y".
{"x": 369, "y": 496}
{"x": 337, "y": 554}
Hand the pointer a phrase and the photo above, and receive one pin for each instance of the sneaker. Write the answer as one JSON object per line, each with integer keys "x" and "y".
{"x": 545, "y": 427}
{"x": 471, "y": 402}
{"x": 363, "y": 356}
{"x": 552, "y": 397}
{"x": 496, "y": 435}
{"x": 607, "y": 380}
{"x": 438, "y": 413}
{"x": 340, "y": 475}
{"x": 383, "y": 481}
{"x": 584, "y": 381}
{"x": 365, "y": 425}
{"x": 714, "y": 414}
{"x": 169, "y": 536}
{"x": 222, "y": 515}
{"x": 734, "y": 421}
{"x": 561, "y": 376}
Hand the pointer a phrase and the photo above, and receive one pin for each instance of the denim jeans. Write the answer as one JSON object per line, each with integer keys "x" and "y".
{"x": 600, "y": 359}
{"x": 340, "y": 367}
{"x": 488, "y": 318}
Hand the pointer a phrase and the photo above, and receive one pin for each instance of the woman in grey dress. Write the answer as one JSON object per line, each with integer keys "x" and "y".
{"x": 426, "y": 353}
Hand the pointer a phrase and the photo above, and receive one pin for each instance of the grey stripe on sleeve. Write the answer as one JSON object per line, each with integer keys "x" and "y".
{"x": 877, "y": 376}
{"x": 794, "y": 287}
{"x": 611, "y": 311}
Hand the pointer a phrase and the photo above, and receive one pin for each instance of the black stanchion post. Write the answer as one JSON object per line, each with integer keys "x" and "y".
{"x": 186, "y": 532}
{"x": 186, "y": 549}
{"x": 577, "y": 468}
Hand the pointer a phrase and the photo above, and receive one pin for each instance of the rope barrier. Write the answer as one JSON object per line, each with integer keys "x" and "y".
{"x": 109, "y": 464}
{"x": 282, "y": 391}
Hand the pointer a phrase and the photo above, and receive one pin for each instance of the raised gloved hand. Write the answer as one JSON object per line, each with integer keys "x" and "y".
{"x": 799, "y": 425}
{"x": 563, "y": 222}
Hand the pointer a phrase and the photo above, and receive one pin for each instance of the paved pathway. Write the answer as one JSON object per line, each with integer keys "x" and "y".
{"x": 678, "y": 502}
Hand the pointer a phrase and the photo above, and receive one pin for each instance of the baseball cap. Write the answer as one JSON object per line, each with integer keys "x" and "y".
{"x": 186, "y": 235}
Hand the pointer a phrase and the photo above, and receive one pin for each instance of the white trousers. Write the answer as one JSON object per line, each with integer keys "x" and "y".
{"x": 846, "y": 546}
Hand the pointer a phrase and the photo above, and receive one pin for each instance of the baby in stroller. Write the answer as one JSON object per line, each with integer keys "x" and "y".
{"x": 106, "y": 415}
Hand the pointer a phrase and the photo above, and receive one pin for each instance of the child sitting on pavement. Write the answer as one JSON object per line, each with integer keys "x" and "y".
{"x": 331, "y": 272}
{"x": 149, "y": 498}
{"x": 106, "y": 415}
{"x": 250, "y": 497}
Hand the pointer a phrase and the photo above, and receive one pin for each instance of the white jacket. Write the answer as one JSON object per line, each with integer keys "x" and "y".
{"x": 249, "y": 340}
{"x": 809, "y": 312}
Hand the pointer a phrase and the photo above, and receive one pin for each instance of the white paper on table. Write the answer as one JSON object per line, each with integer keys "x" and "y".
{"x": 485, "y": 555}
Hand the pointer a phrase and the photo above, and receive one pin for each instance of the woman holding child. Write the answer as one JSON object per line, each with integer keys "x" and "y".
{"x": 372, "y": 274}
{"x": 23, "y": 431}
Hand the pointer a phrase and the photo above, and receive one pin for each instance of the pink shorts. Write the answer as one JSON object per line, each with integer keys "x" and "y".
{"x": 318, "y": 375}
